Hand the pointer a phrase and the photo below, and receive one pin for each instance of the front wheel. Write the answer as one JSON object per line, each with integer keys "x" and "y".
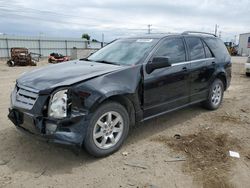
{"x": 108, "y": 128}
{"x": 215, "y": 97}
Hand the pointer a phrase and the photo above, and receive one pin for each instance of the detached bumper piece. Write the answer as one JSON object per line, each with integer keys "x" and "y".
{"x": 69, "y": 132}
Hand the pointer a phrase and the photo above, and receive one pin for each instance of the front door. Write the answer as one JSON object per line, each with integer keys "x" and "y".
{"x": 167, "y": 88}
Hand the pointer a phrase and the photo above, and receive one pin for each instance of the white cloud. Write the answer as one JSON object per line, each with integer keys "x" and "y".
{"x": 117, "y": 18}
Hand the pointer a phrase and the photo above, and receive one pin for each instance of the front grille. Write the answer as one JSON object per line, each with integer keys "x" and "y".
{"x": 25, "y": 98}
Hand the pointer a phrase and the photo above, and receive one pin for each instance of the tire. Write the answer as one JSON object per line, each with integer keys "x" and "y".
{"x": 247, "y": 74}
{"x": 33, "y": 63}
{"x": 11, "y": 63}
{"x": 98, "y": 140}
{"x": 215, "y": 96}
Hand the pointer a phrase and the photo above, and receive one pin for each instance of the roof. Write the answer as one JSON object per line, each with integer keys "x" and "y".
{"x": 152, "y": 36}
{"x": 162, "y": 35}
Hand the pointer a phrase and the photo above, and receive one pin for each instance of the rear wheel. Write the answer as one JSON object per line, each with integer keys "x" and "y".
{"x": 215, "y": 97}
{"x": 107, "y": 130}
{"x": 247, "y": 74}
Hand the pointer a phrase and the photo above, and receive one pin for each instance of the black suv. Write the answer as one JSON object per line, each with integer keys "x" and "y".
{"x": 92, "y": 102}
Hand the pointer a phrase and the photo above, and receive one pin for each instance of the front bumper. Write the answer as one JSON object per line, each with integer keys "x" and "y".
{"x": 70, "y": 131}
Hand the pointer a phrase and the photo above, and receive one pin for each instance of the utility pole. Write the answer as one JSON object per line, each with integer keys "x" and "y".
{"x": 235, "y": 39}
{"x": 149, "y": 28}
{"x": 102, "y": 44}
{"x": 220, "y": 34}
{"x": 216, "y": 28}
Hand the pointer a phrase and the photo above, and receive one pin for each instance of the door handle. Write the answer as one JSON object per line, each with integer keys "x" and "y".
{"x": 184, "y": 68}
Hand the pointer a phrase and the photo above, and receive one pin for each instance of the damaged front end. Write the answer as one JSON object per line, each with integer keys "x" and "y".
{"x": 59, "y": 110}
{"x": 49, "y": 117}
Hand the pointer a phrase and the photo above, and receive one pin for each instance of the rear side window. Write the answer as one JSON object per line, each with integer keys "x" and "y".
{"x": 196, "y": 49}
{"x": 207, "y": 51}
{"x": 174, "y": 49}
{"x": 218, "y": 48}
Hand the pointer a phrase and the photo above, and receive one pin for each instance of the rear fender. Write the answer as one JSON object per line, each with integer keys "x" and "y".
{"x": 221, "y": 74}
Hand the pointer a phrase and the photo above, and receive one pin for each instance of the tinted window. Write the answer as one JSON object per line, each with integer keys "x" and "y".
{"x": 196, "y": 48}
{"x": 207, "y": 51}
{"x": 174, "y": 49}
{"x": 218, "y": 48}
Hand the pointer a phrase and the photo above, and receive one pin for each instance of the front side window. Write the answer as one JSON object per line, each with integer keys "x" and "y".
{"x": 196, "y": 49}
{"x": 124, "y": 51}
{"x": 174, "y": 49}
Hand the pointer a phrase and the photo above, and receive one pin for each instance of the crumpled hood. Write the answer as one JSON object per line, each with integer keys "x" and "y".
{"x": 64, "y": 74}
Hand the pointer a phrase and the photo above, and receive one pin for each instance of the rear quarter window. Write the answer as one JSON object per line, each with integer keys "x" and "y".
{"x": 207, "y": 51}
{"x": 218, "y": 48}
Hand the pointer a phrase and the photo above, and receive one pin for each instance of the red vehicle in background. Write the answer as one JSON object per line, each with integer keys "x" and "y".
{"x": 57, "y": 58}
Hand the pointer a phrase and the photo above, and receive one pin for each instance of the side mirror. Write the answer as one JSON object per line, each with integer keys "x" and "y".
{"x": 157, "y": 63}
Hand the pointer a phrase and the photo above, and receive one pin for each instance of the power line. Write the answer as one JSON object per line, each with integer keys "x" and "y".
{"x": 96, "y": 26}
{"x": 17, "y": 11}
{"x": 20, "y": 9}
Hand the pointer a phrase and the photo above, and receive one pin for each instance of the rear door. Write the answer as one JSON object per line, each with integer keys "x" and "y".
{"x": 202, "y": 65}
{"x": 167, "y": 88}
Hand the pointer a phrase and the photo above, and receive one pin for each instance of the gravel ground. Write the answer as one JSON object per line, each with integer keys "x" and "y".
{"x": 151, "y": 156}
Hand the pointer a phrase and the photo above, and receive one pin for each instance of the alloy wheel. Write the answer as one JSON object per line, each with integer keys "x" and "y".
{"x": 216, "y": 94}
{"x": 108, "y": 130}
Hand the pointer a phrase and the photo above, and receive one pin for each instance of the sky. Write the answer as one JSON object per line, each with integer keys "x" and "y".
{"x": 117, "y": 18}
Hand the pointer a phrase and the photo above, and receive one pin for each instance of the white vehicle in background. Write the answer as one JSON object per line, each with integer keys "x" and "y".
{"x": 247, "y": 66}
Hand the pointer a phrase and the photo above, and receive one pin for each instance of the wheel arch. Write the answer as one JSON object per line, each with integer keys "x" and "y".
{"x": 223, "y": 78}
{"x": 121, "y": 99}
{"x": 222, "y": 75}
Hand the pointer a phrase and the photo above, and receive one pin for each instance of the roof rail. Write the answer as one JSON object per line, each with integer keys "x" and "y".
{"x": 197, "y": 32}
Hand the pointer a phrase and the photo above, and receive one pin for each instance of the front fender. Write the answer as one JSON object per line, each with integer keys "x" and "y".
{"x": 91, "y": 93}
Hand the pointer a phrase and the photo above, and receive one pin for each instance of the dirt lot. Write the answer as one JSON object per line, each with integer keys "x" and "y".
{"x": 197, "y": 156}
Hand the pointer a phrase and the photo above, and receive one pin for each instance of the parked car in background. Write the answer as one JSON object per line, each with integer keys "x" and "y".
{"x": 22, "y": 57}
{"x": 93, "y": 102}
{"x": 247, "y": 66}
{"x": 57, "y": 58}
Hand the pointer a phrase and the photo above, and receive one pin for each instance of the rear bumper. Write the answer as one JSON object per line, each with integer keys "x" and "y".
{"x": 68, "y": 132}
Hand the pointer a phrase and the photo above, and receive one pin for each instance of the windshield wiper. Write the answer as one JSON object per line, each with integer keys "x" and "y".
{"x": 84, "y": 59}
{"x": 107, "y": 62}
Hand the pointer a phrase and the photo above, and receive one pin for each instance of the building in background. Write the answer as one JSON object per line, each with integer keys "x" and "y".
{"x": 244, "y": 44}
{"x": 44, "y": 45}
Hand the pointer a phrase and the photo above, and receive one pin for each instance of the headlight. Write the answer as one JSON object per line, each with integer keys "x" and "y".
{"x": 58, "y": 104}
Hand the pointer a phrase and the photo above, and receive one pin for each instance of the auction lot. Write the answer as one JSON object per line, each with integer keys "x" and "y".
{"x": 151, "y": 157}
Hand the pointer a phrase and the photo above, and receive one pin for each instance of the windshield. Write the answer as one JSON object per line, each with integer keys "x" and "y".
{"x": 124, "y": 51}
